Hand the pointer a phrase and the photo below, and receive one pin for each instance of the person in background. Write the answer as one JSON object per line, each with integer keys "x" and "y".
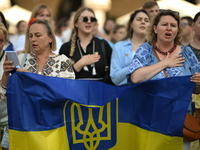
{"x": 109, "y": 25}
{"x": 67, "y": 33}
{"x": 151, "y": 7}
{"x": 195, "y": 46}
{"x": 62, "y": 25}
{"x": 105, "y": 33}
{"x": 85, "y": 50}
{"x": 8, "y": 46}
{"x": 124, "y": 51}
{"x": 164, "y": 55}
{"x": 40, "y": 12}
{"x": 195, "y": 43}
{"x": 3, "y": 105}
{"x": 187, "y": 33}
{"x": 21, "y": 28}
{"x": 118, "y": 33}
{"x": 99, "y": 35}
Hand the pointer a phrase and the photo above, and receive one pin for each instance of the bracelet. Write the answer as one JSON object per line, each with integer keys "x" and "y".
{"x": 3, "y": 87}
{"x": 197, "y": 85}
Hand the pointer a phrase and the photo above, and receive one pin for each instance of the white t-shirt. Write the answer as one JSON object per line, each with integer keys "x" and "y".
{"x": 20, "y": 43}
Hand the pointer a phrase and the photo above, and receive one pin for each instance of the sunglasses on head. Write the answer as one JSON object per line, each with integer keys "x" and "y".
{"x": 92, "y": 19}
{"x": 167, "y": 10}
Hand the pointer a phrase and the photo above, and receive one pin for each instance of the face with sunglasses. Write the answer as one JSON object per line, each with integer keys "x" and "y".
{"x": 187, "y": 29}
{"x": 86, "y": 22}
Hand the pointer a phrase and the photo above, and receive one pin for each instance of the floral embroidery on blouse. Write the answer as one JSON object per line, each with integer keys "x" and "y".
{"x": 146, "y": 57}
{"x": 52, "y": 67}
{"x": 66, "y": 66}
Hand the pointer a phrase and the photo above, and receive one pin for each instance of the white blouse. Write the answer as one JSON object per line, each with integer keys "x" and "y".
{"x": 56, "y": 66}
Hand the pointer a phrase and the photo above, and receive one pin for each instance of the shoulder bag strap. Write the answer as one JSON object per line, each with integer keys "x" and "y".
{"x": 104, "y": 54}
{"x": 23, "y": 61}
{"x": 3, "y": 53}
{"x": 159, "y": 60}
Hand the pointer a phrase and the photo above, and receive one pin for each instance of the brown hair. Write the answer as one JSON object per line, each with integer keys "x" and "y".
{"x": 129, "y": 30}
{"x": 75, "y": 34}
{"x": 50, "y": 33}
{"x": 38, "y": 10}
{"x": 152, "y": 36}
{"x": 149, "y": 4}
{"x": 117, "y": 27}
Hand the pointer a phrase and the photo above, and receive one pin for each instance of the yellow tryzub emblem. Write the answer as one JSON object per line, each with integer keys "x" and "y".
{"x": 91, "y": 127}
{"x": 126, "y": 54}
{"x": 88, "y": 136}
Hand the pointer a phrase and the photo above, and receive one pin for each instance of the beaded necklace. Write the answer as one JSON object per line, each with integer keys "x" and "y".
{"x": 164, "y": 53}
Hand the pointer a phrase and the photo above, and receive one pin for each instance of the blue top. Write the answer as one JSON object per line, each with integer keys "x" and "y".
{"x": 146, "y": 57}
{"x": 121, "y": 58}
{"x": 9, "y": 47}
{"x": 109, "y": 42}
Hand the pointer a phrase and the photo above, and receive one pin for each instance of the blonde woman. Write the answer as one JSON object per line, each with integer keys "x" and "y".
{"x": 85, "y": 50}
{"x": 39, "y": 59}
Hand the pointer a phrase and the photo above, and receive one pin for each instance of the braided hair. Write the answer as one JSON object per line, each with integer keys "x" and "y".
{"x": 75, "y": 35}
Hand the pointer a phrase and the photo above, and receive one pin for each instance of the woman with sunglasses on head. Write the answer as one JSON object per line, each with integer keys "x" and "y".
{"x": 163, "y": 55}
{"x": 85, "y": 50}
{"x": 124, "y": 51}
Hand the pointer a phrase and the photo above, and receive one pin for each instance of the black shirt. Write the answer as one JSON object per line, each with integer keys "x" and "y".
{"x": 99, "y": 66}
{"x": 196, "y": 52}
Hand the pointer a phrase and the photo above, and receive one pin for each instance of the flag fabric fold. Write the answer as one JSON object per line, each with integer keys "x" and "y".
{"x": 54, "y": 113}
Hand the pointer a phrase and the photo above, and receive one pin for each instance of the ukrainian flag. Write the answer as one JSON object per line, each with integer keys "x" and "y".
{"x": 49, "y": 113}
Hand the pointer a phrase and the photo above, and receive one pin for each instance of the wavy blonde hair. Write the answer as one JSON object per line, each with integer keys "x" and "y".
{"x": 151, "y": 36}
{"x": 50, "y": 33}
{"x": 75, "y": 34}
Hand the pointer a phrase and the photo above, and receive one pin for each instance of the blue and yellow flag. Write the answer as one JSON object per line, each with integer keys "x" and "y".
{"x": 49, "y": 113}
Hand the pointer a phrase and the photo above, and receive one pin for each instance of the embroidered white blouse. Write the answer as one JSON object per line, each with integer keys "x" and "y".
{"x": 56, "y": 66}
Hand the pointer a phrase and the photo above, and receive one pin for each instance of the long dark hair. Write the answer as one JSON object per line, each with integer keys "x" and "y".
{"x": 129, "y": 30}
{"x": 3, "y": 20}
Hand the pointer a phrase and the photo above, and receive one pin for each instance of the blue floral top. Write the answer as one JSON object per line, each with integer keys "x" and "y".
{"x": 145, "y": 56}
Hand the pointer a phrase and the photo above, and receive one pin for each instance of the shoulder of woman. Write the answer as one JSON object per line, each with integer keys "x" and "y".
{"x": 186, "y": 49}
{"x": 146, "y": 46}
{"x": 120, "y": 45}
{"x": 188, "y": 53}
{"x": 21, "y": 57}
{"x": 66, "y": 46}
{"x": 62, "y": 57}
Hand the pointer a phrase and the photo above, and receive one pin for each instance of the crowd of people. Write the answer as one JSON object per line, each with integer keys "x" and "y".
{"x": 154, "y": 44}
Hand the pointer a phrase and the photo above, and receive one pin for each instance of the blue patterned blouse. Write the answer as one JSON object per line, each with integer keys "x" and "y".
{"x": 145, "y": 56}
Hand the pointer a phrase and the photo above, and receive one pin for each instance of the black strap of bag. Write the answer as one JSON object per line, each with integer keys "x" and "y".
{"x": 3, "y": 53}
{"x": 104, "y": 54}
{"x": 107, "y": 78}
